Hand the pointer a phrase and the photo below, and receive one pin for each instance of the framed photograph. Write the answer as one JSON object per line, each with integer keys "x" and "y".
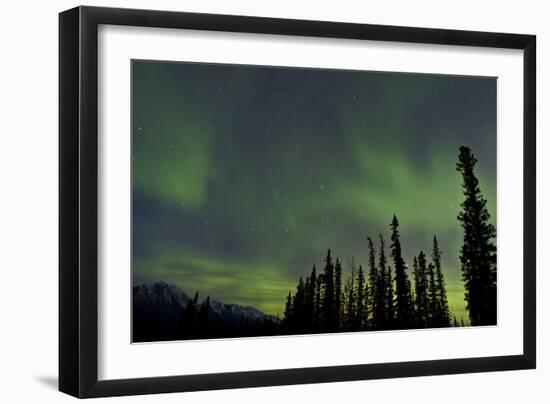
{"x": 251, "y": 202}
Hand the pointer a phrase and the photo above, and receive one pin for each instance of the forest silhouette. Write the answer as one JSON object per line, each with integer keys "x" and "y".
{"x": 382, "y": 296}
{"x": 384, "y": 293}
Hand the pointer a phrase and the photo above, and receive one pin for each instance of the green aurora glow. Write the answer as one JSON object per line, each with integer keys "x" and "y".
{"x": 244, "y": 176}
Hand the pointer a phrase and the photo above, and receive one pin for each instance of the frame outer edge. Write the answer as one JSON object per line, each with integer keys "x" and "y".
{"x": 78, "y": 203}
{"x": 530, "y": 202}
{"x": 69, "y": 81}
{"x": 88, "y": 202}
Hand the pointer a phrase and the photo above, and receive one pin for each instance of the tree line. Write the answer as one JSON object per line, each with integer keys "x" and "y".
{"x": 382, "y": 296}
{"x": 199, "y": 321}
{"x": 375, "y": 298}
{"x": 195, "y": 320}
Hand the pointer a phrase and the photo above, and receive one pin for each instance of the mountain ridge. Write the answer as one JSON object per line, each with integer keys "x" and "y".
{"x": 158, "y": 309}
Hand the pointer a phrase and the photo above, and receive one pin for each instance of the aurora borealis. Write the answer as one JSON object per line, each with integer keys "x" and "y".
{"x": 243, "y": 176}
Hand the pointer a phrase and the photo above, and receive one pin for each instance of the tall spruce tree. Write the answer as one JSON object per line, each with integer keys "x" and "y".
{"x": 310, "y": 299}
{"x": 189, "y": 316}
{"x": 318, "y": 316}
{"x": 366, "y": 308}
{"x": 287, "y": 316}
{"x": 421, "y": 286}
{"x": 416, "y": 276}
{"x": 478, "y": 252}
{"x": 298, "y": 306}
{"x": 386, "y": 287}
{"x": 329, "y": 313}
{"x": 202, "y": 318}
{"x": 412, "y": 320}
{"x": 403, "y": 304}
{"x": 350, "y": 301}
{"x": 390, "y": 298}
{"x": 375, "y": 301}
{"x": 338, "y": 293}
{"x": 306, "y": 310}
{"x": 432, "y": 295}
{"x": 360, "y": 295}
{"x": 443, "y": 316}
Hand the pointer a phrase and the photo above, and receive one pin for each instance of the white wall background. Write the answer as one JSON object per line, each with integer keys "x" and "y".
{"x": 28, "y": 202}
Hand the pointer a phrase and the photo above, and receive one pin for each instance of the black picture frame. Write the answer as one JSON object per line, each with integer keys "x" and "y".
{"x": 78, "y": 201}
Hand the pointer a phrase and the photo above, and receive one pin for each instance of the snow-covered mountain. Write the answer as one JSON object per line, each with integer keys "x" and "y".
{"x": 235, "y": 313}
{"x": 161, "y": 305}
{"x": 158, "y": 302}
{"x": 160, "y": 293}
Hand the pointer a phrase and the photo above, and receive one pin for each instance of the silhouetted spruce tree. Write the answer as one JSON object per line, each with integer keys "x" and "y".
{"x": 338, "y": 293}
{"x": 366, "y": 308}
{"x": 318, "y": 316}
{"x": 349, "y": 298}
{"x": 442, "y": 317}
{"x": 412, "y": 320}
{"x": 403, "y": 303}
{"x": 202, "y": 318}
{"x": 421, "y": 286}
{"x": 313, "y": 292}
{"x": 306, "y": 309}
{"x": 375, "y": 297}
{"x": 432, "y": 295}
{"x": 329, "y": 321}
{"x": 360, "y": 302}
{"x": 416, "y": 297}
{"x": 386, "y": 287}
{"x": 298, "y": 307}
{"x": 390, "y": 299}
{"x": 287, "y": 316}
{"x": 478, "y": 252}
{"x": 189, "y": 316}
{"x": 417, "y": 302}
{"x": 416, "y": 276}
{"x": 310, "y": 299}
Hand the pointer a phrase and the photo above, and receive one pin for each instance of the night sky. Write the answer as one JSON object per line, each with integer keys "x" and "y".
{"x": 243, "y": 176}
